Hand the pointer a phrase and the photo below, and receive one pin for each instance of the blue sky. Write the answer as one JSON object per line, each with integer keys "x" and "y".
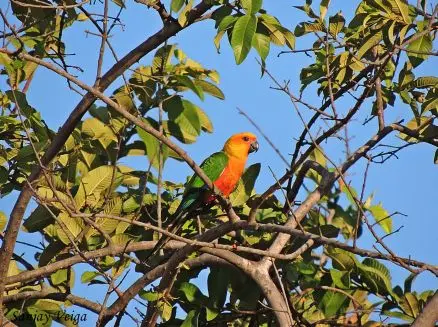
{"x": 407, "y": 185}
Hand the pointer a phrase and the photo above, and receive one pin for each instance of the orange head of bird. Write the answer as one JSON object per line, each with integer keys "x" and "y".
{"x": 240, "y": 145}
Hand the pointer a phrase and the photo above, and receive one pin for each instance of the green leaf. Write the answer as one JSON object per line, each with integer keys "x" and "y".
{"x": 323, "y": 8}
{"x": 165, "y": 309}
{"x": 422, "y": 46}
{"x": 192, "y": 293}
{"x": 210, "y": 88}
{"x": 96, "y": 129}
{"x": 39, "y": 219}
{"x": 406, "y": 76}
{"x": 122, "y": 239}
{"x": 88, "y": 276}
{"x": 73, "y": 225}
{"x": 94, "y": 183}
{"x": 191, "y": 319}
{"x": 376, "y": 276}
{"x": 351, "y": 194}
{"x": 245, "y": 185}
{"x": 369, "y": 43}
{"x": 50, "y": 252}
{"x": 401, "y": 8}
{"x": 382, "y": 217}
{"x": 143, "y": 84}
{"x": 59, "y": 277}
{"x": 128, "y": 176}
{"x": 427, "y": 130}
{"x": 211, "y": 313}
{"x": 305, "y": 28}
{"x": 336, "y": 24}
{"x": 206, "y": 124}
{"x": 251, "y": 6}
{"x": 431, "y": 101}
{"x": 152, "y": 146}
{"x": 310, "y": 74}
{"x": 176, "y": 5}
{"x": 176, "y": 131}
{"x": 149, "y": 295}
{"x": 399, "y": 315}
{"x": 274, "y": 27}
{"x": 124, "y": 98}
{"x": 289, "y": 38}
{"x": 306, "y": 268}
{"x": 184, "y": 115}
{"x": 410, "y": 304}
{"x": 217, "y": 282}
{"x": 330, "y": 302}
{"x": 220, "y": 13}
{"x": 341, "y": 259}
{"x": 426, "y": 296}
{"x": 32, "y": 311}
{"x": 114, "y": 208}
{"x": 242, "y": 35}
{"x": 188, "y": 82}
{"x": 217, "y": 40}
{"x": 101, "y": 113}
{"x": 183, "y": 17}
{"x": 341, "y": 279}
{"x": 424, "y": 82}
{"x": 261, "y": 42}
{"x": 408, "y": 282}
{"x": 307, "y": 9}
{"x": 226, "y": 23}
{"x": 162, "y": 58}
{"x": 245, "y": 293}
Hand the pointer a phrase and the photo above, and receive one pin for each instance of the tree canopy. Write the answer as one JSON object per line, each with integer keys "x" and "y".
{"x": 286, "y": 255}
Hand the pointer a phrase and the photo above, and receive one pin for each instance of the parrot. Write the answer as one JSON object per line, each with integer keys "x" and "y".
{"x": 224, "y": 169}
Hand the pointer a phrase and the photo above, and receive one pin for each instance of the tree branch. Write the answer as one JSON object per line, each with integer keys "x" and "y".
{"x": 75, "y": 117}
{"x": 429, "y": 316}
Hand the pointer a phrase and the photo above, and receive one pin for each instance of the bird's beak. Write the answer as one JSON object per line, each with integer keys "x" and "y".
{"x": 254, "y": 147}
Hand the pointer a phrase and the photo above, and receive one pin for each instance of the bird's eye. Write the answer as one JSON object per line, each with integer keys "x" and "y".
{"x": 246, "y": 138}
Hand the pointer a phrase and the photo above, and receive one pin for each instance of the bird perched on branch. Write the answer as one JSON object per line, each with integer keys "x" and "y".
{"x": 224, "y": 170}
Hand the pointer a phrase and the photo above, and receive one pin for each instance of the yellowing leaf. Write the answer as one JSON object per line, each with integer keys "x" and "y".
{"x": 3, "y": 220}
{"x": 419, "y": 49}
{"x": 382, "y": 217}
{"x": 182, "y": 19}
{"x": 401, "y": 8}
{"x": 323, "y": 8}
{"x": 94, "y": 183}
{"x": 72, "y": 225}
{"x": 176, "y": 5}
{"x": 82, "y": 17}
{"x": 95, "y": 129}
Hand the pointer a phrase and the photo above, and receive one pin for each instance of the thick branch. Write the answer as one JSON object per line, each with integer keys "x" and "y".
{"x": 50, "y": 294}
{"x": 429, "y": 316}
{"x": 132, "y": 291}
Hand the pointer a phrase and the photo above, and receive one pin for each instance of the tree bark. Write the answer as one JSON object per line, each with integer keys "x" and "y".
{"x": 429, "y": 316}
